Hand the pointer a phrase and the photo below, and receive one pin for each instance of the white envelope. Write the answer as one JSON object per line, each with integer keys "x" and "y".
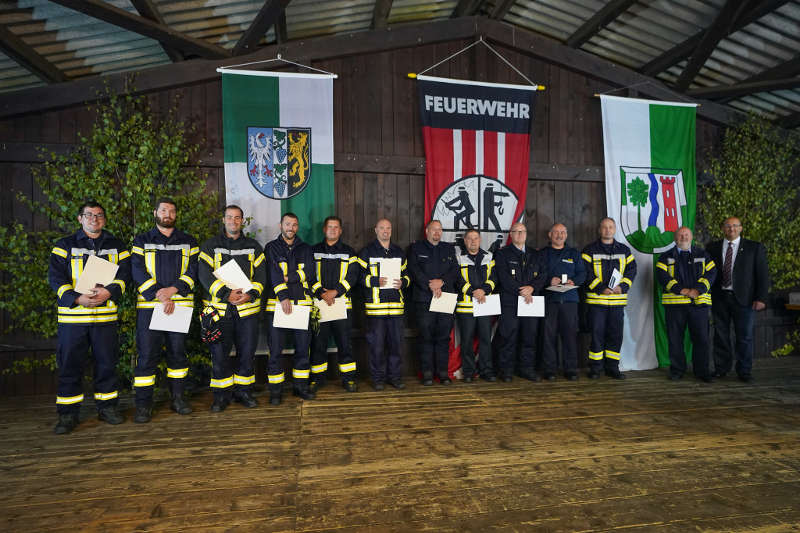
{"x": 329, "y": 313}
{"x": 390, "y": 268}
{"x": 179, "y": 321}
{"x": 233, "y": 276}
{"x": 535, "y": 308}
{"x": 446, "y": 303}
{"x": 614, "y": 280}
{"x": 96, "y": 271}
{"x": 298, "y": 319}
{"x": 490, "y": 307}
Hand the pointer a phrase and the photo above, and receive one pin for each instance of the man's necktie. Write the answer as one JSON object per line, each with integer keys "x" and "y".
{"x": 727, "y": 268}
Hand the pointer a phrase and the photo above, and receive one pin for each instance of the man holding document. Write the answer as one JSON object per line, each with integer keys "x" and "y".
{"x": 164, "y": 270}
{"x": 475, "y": 283}
{"x": 232, "y": 271}
{"x": 293, "y": 278}
{"x": 87, "y": 318}
{"x": 337, "y": 273}
{"x": 521, "y": 275}
{"x": 434, "y": 271}
{"x": 611, "y": 269}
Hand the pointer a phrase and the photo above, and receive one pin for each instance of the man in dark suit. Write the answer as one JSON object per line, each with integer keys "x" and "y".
{"x": 739, "y": 291}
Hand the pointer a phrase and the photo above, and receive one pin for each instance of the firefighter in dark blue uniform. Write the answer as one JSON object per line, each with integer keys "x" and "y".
{"x": 606, "y": 306}
{"x": 561, "y": 308}
{"x": 476, "y": 281}
{"x": 87, "y": 320}
{"x": 164, "y": 270}
{"x": 337, "y": 271}
{"x": 293, "y": 279}
{"x": 520, "y": 273}
{"x": 434, "y": 270}
{"x": 233, "y": 377}
{"x": 384, "y": 308}
{"x": 686, "y": 273}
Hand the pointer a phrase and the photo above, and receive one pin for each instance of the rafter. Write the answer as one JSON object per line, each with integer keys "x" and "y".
{"x": 598, "y": 21}
{"x": 501, "y": 7}
{"x": 784, "y": 70}
{"x": 137, "y": 24}
{"x": 380, "y": 14}
{"x": 267, "y": 16}
{"x": 683, "y": 50}
{"x": 148, "y": 10}
{"x": 467, "y": 8}
{"x": 28, "y": 58}
{"x": 281, "y": 34}
{"x": 743, "y": 89}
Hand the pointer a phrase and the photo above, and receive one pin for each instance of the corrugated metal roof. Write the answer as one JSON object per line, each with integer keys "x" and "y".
{"x": 80, "y": 45}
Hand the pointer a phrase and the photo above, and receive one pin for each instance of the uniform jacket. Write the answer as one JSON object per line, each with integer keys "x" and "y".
{"x": 158, "y": 261}
{"x": 600, "y": 260}
{"x": 67, "y": 259}
{"x": 381, "y": 302}
{"x": 295, "y": 262}
{"x": 750, "y": 271}
{"x": 691, "y": 270}
{"x": 336, "y": 268}
{"x": 516, "y": 269}
{"x": 567, "y": 261}
{"x": 427, "y": 262}
{"x": 475, "y": 272}
{"x": 217, "y": 251}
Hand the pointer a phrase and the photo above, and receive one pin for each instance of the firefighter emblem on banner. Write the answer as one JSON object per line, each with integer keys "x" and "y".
{"x": 279, "y": 160}
{"x": 653, "y": 201}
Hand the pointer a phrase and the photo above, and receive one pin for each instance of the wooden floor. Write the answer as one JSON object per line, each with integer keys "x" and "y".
{"x": 641, "y": 455}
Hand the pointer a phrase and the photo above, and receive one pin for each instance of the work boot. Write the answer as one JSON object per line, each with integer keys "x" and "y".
{"x": 143, "y": 414}
{"x": 350, "y": 386}
{"x": 615, "y": 374}
{"x": 378, "y": 385}
{"x": 275, "y": 398}
{"x": 180, "y": 406}
{"x": 245, "y": 398}
{"x": 593, "y": 374}
{"x": 66, "y": 423}
{"x": 219, "y": 405}
{"x": 304, "y": 394}
{"x": 397, "y": 384}
{"x": 110, "y": 416}
{"x": 315, "y": 384}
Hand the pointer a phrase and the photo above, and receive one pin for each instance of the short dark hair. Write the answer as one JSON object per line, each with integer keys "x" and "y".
{"x": 332, "y": 217}
{"x": 233, "y": 206}
{"x": 472, "y": 230}
{"x": 290, "y": 215}
{"x": 165, "y": 200}
{"x": 90, "y": 202}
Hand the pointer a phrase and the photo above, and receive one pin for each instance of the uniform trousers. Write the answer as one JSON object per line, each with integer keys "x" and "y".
{"x": 468, "y": 325}
{"x": 434, "y": 342}
{"x": 515, "y": 330}
{"x": 340, "y": 330}
{"x": 301, "y": 360}
{"x": 385, "y": 340}
{"x": 149, "y": 344}
{"x": 74, "y": 342}
{"x": 560, "y": 321}
{"x": 235, "y": 373}
{"x": 727, "y": 310}
{"x": 606, "y": 323}
{"x": 678, "y": 317}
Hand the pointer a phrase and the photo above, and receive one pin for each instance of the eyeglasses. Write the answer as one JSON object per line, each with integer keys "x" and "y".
{"x": 90, "y": 216}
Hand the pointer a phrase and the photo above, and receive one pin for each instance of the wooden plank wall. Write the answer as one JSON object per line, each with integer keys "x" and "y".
{"x": 375, "y": 114}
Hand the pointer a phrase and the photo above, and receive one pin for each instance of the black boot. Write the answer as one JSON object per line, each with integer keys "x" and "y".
{"x": 143, "y": 414}
{"x": 245, "y": 398}
{"x": 110, "y": 416}
{"x": 180, "y": 406}
{"x": 66, "y": 423}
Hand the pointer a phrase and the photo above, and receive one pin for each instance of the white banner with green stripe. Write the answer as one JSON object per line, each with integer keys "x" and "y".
{"x": 651, "y": 187}
{"x": 278, "y": 139}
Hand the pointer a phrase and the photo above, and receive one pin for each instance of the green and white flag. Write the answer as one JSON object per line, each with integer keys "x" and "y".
{"x": 278, "y": 138}
{"x": 651, "y": 188}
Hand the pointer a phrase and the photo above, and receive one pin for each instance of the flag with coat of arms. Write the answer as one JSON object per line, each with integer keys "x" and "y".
{"x": 651, "y": 188}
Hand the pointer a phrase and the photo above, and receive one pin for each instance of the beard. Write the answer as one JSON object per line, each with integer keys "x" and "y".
{"x": 165, "y": 223}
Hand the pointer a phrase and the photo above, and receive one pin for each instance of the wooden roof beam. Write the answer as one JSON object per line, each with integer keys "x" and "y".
{"x": 148, "y": 10}
{"x": 281, "y": 34}
{"x": 137, "y": 24}
{"x": 743, "y": 89}
{"x": 380, "y": 14}
{"x": 598, "y": 21}
{"x": 501, "y": 7}
{"x": 683, "y": 50}
{"x": 782, "y": 71}
{"x": 266, "y": 17}
{"x": 28, "y": 58}
{"x": 467, "y": 8}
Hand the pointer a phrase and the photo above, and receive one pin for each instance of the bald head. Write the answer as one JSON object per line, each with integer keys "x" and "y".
{"x": 683, "y": 238}
{"x": 557, "y": 235}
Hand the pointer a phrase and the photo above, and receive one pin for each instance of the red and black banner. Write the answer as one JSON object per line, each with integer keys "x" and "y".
{"x": 477, "y": 150}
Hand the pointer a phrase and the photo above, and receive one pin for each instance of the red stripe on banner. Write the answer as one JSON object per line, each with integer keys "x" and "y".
{"x": 517, "y": 161}
{"x": 490, "y": 153}
{"x": 468, "y": 152}
{"x": 439, "y": 164}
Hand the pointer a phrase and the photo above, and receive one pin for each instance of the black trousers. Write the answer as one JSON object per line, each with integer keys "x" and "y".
{"x": 678, "y": 317}
{"x": 434, "y": 341}
{"x": 517, "y": 335}
{"x": 385, "y": 339}
{"x": 301, "y": 361}
{"x": 149, "y": 345}
{"x": 234, "y": 373}
{"x": 340, "y": 329}
{"x": 468, "y": 325}
{"x": 74, "y": 342}
{"x": 560, "y": 321}
{"x": 726, "y": 311}
{"x": 606, "y": 323}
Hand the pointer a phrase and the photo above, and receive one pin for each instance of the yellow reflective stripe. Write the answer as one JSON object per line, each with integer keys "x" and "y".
{"x": 120, "y": 283}
{"x": 69, "y": 400}
{"x": 188, "y": 280}
{"x": 360, "y": 262}
{"x": 345, "y": 285}
{"x": 587, "y": 257}
{"x": 216, "y": 286}
{"x": 64, "y": 288}
{"x": 319, "y": 368}
{"x": 671, "y": 283}
{"x": 194, "y": 251}
{"x": 297, "y": 373}
{"x": 705, "y": 282}
{"x": 258, "y": 287}
{"x": 612, "y": 355}
{"x": 280, "y": 287}
{"x": 342, "y": 274}
{"x": 95, "y": 319}
{"x": 347, "y": 367}
{"x": 59, "y": 252}
{"x": 260, "y": 259}
{"x": 146, "y": 285}
{"x": 177, "y": 373}
{"x": 316, "y": 286}
{"x": 275, "y": 378}
{"x": 595, "y": 356}
{"x": 244, "y": 380}
{"x": 662, "y": 266}
{"x": 144, "y": 381}
{"x": 138, "y": 250}
{"x": 708, "y": 266}
{"x": 629, "y": 259}
{"x": 626, "y": 280}
{"x": 103, "y": 396}
{"x": 124, "y": 254}
{"x": 222, "y": 383}
{"x": 595, "y": 282}
{"x": 301, "y": 272}
{"x": 207, "y": 258}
